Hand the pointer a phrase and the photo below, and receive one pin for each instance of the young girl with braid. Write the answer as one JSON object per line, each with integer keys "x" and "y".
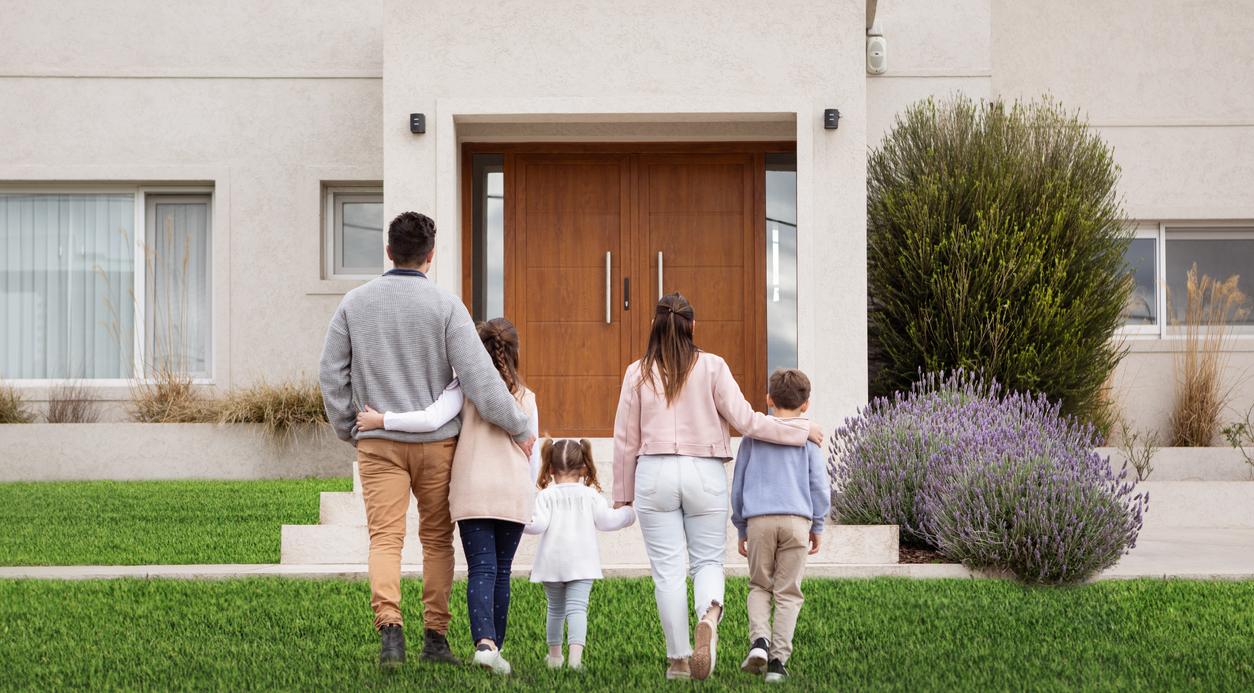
{"x": 568, "y": 512}
{"x": 491, "y": 490}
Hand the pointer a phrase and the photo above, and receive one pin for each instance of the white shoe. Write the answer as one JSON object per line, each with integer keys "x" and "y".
{"x": 706, "y": 647}
{"x": 493, "y": 661}
{"x": 755, "y": 662}
{"x": 553, "y": 662}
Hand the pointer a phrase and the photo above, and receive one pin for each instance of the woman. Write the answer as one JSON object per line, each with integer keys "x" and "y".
{"x": 670, "y": 445}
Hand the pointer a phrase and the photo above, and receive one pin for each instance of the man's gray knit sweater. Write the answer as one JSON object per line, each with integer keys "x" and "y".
{"x": 393, "y": 344}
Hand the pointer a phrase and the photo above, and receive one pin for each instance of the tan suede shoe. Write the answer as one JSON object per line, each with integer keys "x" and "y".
{"x": 678, "y": 670}
{"x": 706, "y": 650}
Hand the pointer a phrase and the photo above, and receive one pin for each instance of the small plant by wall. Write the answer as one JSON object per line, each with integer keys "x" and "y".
{"x": 995, "y": 243}
{"x": 72, "y": 403}
{"x": 1201, "y": 395}
{"x": 13, "y": 409}
{"x": 283, "y": 409}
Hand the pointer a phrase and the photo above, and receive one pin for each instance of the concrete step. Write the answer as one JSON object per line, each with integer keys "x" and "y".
{"x": 328, "y": 544}
{"x": 1185, "y": 504}
{"x": 336, "y": 508}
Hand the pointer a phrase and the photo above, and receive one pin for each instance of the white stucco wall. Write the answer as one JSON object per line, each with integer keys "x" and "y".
{"x": 263, "y": 101}
{"x": 631, "y": 61}
{"x": 1168, "y": 84}
{"x": 934, "y": 49}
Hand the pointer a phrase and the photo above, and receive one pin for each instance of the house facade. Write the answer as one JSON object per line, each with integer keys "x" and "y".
{"x": 195, "y": 187}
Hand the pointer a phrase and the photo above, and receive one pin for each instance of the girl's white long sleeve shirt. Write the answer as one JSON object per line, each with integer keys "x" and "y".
{"x": 567, "y": 518}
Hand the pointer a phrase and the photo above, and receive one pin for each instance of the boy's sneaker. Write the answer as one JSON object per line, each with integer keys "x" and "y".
{"x": 755, "y": 663}
{"x": 435, "y": 648}
{"x": 553, "y": 662}
{"x": 775, "y": 672}
{"x": 391, "y": 646}
{"x": 491, "y": 659}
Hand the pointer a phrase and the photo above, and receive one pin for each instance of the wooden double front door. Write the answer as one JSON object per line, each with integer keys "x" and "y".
{"x": 592, "y": 238}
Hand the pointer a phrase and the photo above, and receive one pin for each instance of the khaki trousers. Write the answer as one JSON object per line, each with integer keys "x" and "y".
{"x": 390, "y": 471}
{"x": 778, "y": 545}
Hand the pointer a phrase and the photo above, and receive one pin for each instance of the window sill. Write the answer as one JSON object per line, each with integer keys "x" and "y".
{"x": 334, "y": 287}
{"x": 1152, "y": 344}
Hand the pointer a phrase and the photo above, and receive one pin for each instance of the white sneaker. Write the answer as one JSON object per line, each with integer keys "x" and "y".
{"x": 493, "y": 661}
{"x": 553, "y": 662}
{"x": 706, "y": 646}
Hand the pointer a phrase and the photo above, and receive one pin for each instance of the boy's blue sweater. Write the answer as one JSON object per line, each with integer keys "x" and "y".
{"x": 775, "y": 479}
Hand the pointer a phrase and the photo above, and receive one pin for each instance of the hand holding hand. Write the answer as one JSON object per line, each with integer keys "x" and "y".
{"x": 816, "y": 433}
{"x": 369, "y": 420}
{"x": 815, "y": 541}
{"x": 742, "y": 547}
{"x": 527, "y": 445}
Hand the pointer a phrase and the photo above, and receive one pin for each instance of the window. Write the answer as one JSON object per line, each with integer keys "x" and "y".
{"x": 488, "y": 227}
{"x": 781, "y": 261}
{"x": 354, "y": 233}
{"x": 103, "y": 285}
{"x": 1159, "y": 259}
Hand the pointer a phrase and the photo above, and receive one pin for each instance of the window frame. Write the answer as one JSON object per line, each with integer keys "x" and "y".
{"x": 1161, "y": 233}
{"x": 333, "y": 199}
{"x": 140, "y": 278}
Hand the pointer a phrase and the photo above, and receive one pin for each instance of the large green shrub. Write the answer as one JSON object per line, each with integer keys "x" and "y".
{"x": 996, "y": 244}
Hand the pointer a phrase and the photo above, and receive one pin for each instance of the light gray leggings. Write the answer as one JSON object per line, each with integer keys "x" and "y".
{"x": 568, "y": 602}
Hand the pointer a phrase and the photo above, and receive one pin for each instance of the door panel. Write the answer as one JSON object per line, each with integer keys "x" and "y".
{"x": 570, "y": 210}
{"x": 699, "y": 211}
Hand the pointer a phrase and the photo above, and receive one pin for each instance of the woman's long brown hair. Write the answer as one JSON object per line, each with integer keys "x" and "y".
{"x": 501, "y": 340}
{"x": 671, "y": 351}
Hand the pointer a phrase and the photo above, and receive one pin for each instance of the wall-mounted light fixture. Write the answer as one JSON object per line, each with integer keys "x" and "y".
{"x": 417, "y": 123}
{"x": 831, "y": 118}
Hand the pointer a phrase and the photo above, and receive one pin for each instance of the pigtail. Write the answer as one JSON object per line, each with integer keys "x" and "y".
{"x": 589, "y": 465}
{"x": 546, "y": 465}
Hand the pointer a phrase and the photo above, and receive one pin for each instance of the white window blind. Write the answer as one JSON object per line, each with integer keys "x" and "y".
{"x": 67, "y": 271}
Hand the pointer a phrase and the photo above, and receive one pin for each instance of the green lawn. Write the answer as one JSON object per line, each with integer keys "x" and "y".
{"x": 147, "y": 522}
{"x": 854, "y": 635}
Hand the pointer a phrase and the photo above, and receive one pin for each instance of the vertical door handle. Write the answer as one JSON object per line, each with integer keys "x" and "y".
{"x": 659, "y": 275}
{"x": 626, "y": 293}
{"x": 609, "y": 291}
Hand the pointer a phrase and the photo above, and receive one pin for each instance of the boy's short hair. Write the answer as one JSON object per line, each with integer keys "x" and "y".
{"x": 411, "y": 236}
{"x": 789, "y": 388}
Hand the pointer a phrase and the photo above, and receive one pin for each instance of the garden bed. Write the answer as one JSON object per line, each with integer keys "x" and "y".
{"x": 142, "y": 451}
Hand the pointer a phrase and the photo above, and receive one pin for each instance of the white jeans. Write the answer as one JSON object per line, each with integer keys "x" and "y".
{"x": 682, "y": 506}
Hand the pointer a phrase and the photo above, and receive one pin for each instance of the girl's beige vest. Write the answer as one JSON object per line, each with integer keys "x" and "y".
{"x": 491, "y": 475}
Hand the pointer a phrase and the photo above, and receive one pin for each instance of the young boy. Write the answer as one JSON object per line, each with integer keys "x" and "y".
{"x": 780, "y": 499}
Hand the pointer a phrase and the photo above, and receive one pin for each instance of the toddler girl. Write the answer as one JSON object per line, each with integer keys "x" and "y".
{"x": 568, "y": 511}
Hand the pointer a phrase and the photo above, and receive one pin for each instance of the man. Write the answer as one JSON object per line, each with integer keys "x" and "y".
{"x": 394, "y": 343}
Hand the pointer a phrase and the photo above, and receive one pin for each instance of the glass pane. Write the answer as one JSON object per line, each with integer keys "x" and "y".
{"x": 361, "y": 237}
{"x": 489, "y": 236}
{"x": 1142, "y": 308}
{"x": 178, "y": 287}
{"x": 67, "y": 275}
{"x": 781, "y": 261}
{"x": 1219, "y": 256}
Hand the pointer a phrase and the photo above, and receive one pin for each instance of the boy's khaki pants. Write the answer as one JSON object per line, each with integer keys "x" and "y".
{"x": 390, "y": 471}
{"x": 778, "y": 545}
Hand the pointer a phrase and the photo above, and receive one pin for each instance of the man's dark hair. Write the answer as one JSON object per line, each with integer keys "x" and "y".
{"x": 411, "y": 236}
{"x": 789, "y": 388}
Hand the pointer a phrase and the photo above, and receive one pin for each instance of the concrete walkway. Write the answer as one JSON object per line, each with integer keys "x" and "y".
{"x": 1194, "y": 553}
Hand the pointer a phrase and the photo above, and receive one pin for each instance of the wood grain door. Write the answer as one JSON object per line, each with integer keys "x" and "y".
{"x": 698, "y": 234}
{"x": 571, "y": 237}
{"x": 701, "y": 212}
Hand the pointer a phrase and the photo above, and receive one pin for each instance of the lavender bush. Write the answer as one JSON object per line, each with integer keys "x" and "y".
{"x": 992, "y": 479}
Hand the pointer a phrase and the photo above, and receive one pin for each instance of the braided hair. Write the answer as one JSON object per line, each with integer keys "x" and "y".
{"x": 501, "y": 340}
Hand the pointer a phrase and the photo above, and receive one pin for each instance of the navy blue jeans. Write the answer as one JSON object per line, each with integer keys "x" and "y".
{"x": 490, "y": 546}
